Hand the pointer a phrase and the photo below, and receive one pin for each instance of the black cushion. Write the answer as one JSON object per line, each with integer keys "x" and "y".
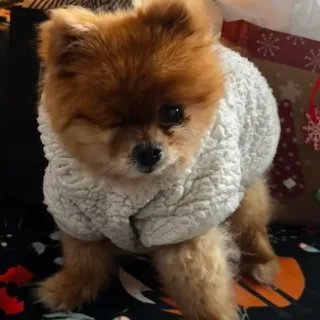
{"x": 4, "y": 39}
{"x": 22, "y": 162}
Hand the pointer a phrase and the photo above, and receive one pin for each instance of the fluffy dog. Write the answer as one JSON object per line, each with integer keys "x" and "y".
{"x": 157, "y": 138}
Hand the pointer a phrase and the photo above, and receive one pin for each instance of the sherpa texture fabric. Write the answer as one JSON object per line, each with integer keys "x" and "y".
{"x": 238, "y": 148}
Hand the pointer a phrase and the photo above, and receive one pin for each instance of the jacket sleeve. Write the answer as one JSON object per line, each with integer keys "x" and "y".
{"x": 66, "y": 213}
{"x": 261, "y": 126}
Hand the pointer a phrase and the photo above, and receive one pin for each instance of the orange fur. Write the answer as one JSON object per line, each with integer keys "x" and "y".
{"x": 250, "y": 223}
{"x": 105, "y": 78}
{"x": 197, "y": 275}
{"x": 87, "y": 267}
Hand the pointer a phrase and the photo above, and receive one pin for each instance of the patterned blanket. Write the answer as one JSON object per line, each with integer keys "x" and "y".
{"x": 30, "y": 251}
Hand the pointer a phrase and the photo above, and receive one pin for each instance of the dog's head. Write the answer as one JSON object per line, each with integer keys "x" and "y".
{"x": 131, "y": 94}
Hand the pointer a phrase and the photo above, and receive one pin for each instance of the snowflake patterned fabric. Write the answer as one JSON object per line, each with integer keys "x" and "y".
{"x": 268, "y": 44}
{"x": 290, "y": 60}
{"x": 312, "y": 130}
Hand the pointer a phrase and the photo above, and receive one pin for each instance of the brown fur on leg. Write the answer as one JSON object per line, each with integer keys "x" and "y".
{"x": 250, "y": 223}
{"x": 197, "y": 275}
{"x": 87, "y": 267}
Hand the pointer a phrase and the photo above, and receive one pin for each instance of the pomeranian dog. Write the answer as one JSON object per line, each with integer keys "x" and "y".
{"x": 157, "y": 139}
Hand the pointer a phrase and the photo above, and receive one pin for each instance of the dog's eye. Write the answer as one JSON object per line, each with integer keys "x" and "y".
{"x": 171, "y": 114}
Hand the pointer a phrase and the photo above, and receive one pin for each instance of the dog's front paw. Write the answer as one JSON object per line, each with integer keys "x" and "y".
{"x": 265, "y": 272}
{"x": 61, "y": 292}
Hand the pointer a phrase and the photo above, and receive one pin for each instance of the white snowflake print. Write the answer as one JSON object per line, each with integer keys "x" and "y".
{"x": 296, "y": 40}
{"x": 312, "y": 131}
{"x": 268, "y": 44}
{"x": 313, "y": 61}
{"x": 290, "y": 91}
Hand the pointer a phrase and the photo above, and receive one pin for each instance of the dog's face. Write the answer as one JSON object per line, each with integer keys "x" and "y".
{"x": 131, "y": 94}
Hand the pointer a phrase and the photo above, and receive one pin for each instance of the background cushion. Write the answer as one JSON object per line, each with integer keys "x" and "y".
{"x": 22, "y": 162}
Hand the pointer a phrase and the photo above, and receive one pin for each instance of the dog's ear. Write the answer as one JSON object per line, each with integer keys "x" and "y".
{"x": 61, "y": 37}
{"x": 178, "y": 16}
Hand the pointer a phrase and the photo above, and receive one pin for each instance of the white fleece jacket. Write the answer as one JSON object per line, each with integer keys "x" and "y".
{"x": 237, "y": 149}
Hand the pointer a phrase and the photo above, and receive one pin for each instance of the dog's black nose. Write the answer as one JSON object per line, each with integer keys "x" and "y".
{"x": 147, "y": 155}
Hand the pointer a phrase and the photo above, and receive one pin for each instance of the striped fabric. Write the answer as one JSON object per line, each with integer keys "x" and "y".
{"x": 93, "y": 4}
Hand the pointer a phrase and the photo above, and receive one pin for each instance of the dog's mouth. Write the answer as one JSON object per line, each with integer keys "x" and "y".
{"x": 146, "y": 170}
{"x": 150, "y": 169}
